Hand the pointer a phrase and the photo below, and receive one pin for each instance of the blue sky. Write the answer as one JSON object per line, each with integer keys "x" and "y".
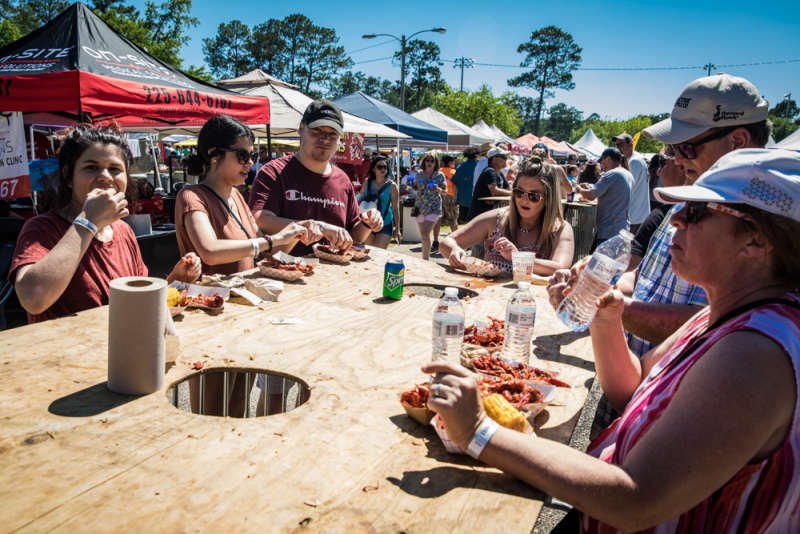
{"x": 612, "y": 34}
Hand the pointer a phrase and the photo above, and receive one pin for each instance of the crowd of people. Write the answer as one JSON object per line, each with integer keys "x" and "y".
{"x": 696, "y": 345}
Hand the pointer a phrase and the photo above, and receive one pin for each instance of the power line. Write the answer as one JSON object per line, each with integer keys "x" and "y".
{"x": 368, "y": 47}
{"x": 372, "y": 60}
{"x": 691, "y": 67}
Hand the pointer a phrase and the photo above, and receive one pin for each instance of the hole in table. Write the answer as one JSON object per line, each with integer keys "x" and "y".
{"x": 238, "y": 392}
{"x": 436, "y": 291}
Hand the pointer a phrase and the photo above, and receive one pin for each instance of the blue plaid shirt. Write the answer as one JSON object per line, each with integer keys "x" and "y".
{"x": 658, "y": 283}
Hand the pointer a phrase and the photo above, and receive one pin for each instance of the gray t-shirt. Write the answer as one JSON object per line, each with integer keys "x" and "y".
{"x": 613, "y": 192}
{"x": 640, "y": 196}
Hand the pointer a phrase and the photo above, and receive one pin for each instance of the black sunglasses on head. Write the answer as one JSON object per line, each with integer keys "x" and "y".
{"x": 689, "y": 150}
{"x": 533, "y": 196}
{"x": 242, "y": 154}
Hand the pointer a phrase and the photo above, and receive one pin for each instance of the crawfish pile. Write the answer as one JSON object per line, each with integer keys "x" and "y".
{"x": 516, "y": 392}
{"x": 496, "y": 367}
{"x": 286, "y": 266}
{"x": 417, "y": 397}
{"x": 492, "y": 337}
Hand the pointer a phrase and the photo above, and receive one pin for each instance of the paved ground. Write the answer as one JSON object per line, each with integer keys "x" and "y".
{"x": 553, "y": 511}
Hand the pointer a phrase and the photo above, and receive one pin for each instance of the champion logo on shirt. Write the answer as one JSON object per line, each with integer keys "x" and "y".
{"x": 294, "y": 194}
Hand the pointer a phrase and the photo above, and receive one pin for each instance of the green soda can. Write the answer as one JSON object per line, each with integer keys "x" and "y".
{"x": 393, "y": 278}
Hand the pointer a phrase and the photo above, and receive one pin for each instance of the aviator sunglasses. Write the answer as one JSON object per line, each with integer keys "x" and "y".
{"x": 689, "y": 150}
{"x": 533, "y": 196}
{"x": 696, "y": 210}
{"x": 242, "y": 154}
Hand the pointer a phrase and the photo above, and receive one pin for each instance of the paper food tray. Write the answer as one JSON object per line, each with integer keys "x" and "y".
{"x": 289, "y": 276}
{"x": 481, "y": 267}
{"x": 335, "y": 258}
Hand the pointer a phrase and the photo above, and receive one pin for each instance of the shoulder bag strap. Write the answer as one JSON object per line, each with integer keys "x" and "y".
{"x": 229, "y": 210}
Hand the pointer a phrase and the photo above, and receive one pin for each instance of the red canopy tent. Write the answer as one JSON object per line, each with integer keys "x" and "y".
{"x": 76, "y": 67}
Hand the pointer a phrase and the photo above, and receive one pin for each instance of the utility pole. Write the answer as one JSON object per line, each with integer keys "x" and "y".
{"x": 708, "y": 66}
{"x": 402, "y": 40}
{"x": 463, "y": 63}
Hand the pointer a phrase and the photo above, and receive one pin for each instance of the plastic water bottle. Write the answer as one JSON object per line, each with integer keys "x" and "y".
{"x": 608, "y": 262}
{"x": 448, "y": 328}
{"x": 520, "y": 316}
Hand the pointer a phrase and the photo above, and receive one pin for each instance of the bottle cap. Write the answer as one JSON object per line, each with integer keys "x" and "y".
{"x": 451, "y": 292}
{"x": 626, "y": 235}
{"x": 524, "y": 285}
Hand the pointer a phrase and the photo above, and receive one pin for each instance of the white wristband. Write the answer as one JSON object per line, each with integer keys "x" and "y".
{"x": 482, "y": 436}
{"x": 256, "y": 248}
{"x": 85, "y": 223}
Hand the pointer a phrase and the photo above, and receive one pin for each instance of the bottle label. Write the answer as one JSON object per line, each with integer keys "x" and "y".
{"x": 521, "y": 315}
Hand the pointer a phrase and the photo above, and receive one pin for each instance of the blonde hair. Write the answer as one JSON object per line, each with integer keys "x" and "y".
{"x": 552, "y": 217}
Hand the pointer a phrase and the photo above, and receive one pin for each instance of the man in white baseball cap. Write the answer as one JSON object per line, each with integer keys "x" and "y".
{"x": 713, "y": 115}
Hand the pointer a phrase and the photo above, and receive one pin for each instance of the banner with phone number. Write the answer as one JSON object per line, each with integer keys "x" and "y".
{"x": 15, "y": 181}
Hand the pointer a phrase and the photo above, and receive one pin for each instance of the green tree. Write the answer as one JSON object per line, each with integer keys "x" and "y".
{"x": 265, "y": 47}
{"x": 199, "y": 72}
{"x": 168, "y": 25}
{"x": 8, "y": 32}
{"x": 471, "y": 106}
{"x": 526, "y": 109}
{"x": 350, "y": 82}
{"x": 562, "y": 121}
{"x": 321, "y": 57}
{"x": 786, "y": 108}
{"x": 783, "y": 127}
{"x": 226, "y": 52}
{"x": 28, "y": 15}
{"x": 424, "y": 78}
{"x": 605, "y": 130}
{"x": 553, "y": 54}
{"x": 294, "y": 32}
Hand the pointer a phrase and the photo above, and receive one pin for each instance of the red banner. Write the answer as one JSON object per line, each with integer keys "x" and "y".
{"x": 351, "y": 149}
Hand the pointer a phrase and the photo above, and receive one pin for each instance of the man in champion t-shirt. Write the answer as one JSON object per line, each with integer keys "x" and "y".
{"x": 305, "y": 188}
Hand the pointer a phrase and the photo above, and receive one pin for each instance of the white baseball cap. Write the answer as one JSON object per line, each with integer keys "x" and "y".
{"x": 710, "y": 102}
{"x": 497, "y": 151}
{"x": 767, "y": 179}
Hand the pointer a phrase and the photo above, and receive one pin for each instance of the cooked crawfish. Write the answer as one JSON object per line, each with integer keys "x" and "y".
{"x": 492, "y": 365}
{"x": 215, "y": 301}
{"x": 492, "y": 337}
{"x": 286, "y": 266}
{"x": 516, "y": 392}
{"x": 417, "y": 397}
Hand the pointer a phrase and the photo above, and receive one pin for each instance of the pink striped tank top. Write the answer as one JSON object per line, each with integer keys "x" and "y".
{"x": 762, "y": 497}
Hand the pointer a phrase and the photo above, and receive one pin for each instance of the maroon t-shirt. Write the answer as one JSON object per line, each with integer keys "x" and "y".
{"x": 287, "y": 189}
{"x": 102, "y": 263}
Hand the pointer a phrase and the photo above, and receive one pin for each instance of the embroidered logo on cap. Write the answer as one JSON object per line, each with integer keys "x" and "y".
{"x": 720, "y": 115}
{"x": 768, "y": 194}
{"x": 682, "y": 102}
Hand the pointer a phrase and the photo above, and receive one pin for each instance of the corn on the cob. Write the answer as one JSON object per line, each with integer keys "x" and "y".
{"x": 499, "y": 409}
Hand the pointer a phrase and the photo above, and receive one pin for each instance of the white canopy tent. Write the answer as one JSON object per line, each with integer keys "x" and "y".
{"x": 589, "y": 144}
{"x": 287, "y": 104}
{"x": 459, "y": 135}
{"x": 791, "y": 142}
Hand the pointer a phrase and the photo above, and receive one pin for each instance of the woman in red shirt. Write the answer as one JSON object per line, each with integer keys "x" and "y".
{"x": 66, "y": 258}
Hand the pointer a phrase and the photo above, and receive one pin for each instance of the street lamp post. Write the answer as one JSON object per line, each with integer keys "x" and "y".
{"x": 403, "y": 40}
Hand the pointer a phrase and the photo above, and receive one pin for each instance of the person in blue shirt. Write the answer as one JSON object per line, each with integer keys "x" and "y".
{"x": 463, "y": 181}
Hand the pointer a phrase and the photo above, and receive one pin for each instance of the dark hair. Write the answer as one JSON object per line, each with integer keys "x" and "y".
{"x": 375, "y": 160}
{"x": 781, "y": 232}
{"x": 590, "y": 174}
{"x": 218, "y": 131}
{"x": 571, "y": 168}
{"x": 471, "y": 153}
{"x": 759, "y": 132}
{"x": 58, "y": 191}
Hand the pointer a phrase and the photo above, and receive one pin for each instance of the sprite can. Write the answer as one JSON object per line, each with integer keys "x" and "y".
{"x": 393, "y": 278}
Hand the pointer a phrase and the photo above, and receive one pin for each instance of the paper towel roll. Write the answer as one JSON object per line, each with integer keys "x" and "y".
{"x": 137, "y": 315}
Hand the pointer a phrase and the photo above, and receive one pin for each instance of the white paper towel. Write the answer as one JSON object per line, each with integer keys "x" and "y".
{"x": 137, "y": 318}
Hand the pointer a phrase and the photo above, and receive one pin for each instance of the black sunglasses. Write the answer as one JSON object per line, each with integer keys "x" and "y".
{"x": 242, "y": 154}
{"x": 381, "y": 167}
{"x": 533, "y": 196}
{"x": 689, "y": 150}
{"x": 696, "y": 210}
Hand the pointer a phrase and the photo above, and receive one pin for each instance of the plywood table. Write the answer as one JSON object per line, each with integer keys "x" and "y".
{"x": 76, "y": 458}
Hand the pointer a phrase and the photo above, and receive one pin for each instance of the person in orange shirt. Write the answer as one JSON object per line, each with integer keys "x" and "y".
{"x": 449, "y": 203}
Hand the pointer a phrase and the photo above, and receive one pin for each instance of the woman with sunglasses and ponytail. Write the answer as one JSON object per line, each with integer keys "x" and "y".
{"x": 533, "y": 222}
{"x": 211, "y": 218}
{"x": 381, "y": 190}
